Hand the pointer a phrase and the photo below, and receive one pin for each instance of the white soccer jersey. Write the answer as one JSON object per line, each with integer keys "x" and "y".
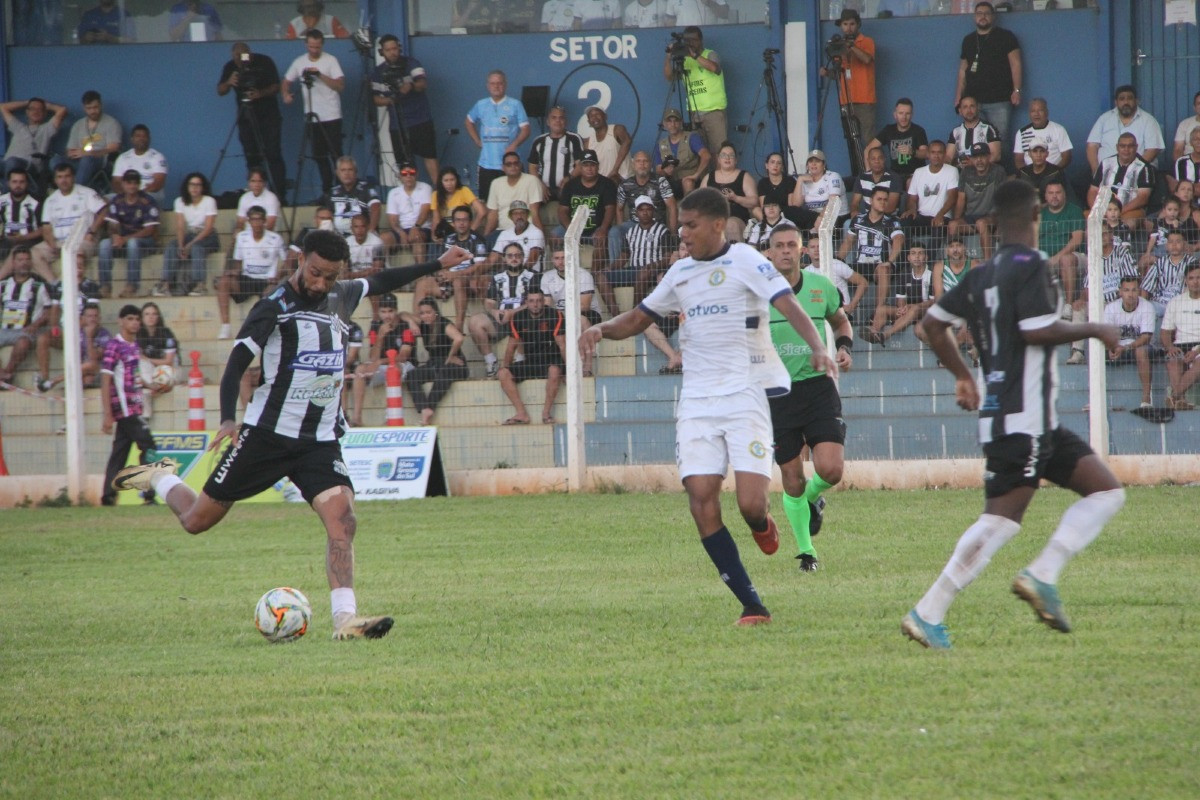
{"x": 260, "y": 257}
{"x": 363, "y": 254}
{"x": 818, "y": 193}
{"x": 529, "y": 238}
{"x": 148, "y": 164}
{"x": 692, "y": 12}
{"x": 554, "y": 286}
{"x": 407, "y": 207}
{"x": 640, "y": 16}
{"x": 1054, "y": 136}
{"x": 61, "y": 211}
{"x": 1132, "y": 323}
{"x": 558, "y": 15}
{"x": 725, "y": 333}
{"x": 1183, "y": 317}
{"x": 267, "y": 201}
{"x": 841, "y": 277}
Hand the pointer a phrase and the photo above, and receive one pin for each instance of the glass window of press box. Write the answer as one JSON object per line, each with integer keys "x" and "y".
{"x": 886, "y": 9}
{"x": 106, "y": 22}
{"x": 440, "y": 17}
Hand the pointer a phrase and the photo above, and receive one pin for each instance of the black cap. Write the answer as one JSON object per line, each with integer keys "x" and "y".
{"x": 131, "y": 175}
{"x": 129, "y": 310}
{"x": 387, "y": 300}
{"x": 980, "y": 149}
{"x": 849, "y": 13}
{"x": 589, "y": 156}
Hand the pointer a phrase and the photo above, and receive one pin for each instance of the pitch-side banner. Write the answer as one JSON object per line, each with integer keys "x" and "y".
{"x": 382, "y": 463}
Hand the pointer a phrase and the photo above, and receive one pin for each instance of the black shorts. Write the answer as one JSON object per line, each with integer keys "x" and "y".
{"x": 534, "y": 368}
{"x": 258, "y": 459}
{"x": 246, "y": 288}
{"x": 1021, "y": 460}
{"x": 810, "y": 414}
{"x": 422, "y": 140}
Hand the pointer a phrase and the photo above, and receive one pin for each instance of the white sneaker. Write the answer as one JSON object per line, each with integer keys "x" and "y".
{"x": 350, "y": 626}
{"x": 159, "y": 290}
{"x": 1076, "y": 357}
{"x": 226, "y": 331}
{"x": 139, "y": 476}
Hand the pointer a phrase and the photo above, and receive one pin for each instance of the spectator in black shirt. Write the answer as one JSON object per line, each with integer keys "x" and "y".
{"x": 445, "y": 365}
{"x": 905, "y": 144}
{"x": 540, "y": 332}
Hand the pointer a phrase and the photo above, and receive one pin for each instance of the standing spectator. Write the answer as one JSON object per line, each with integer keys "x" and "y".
{"x": 1125, "y": 118}
{"x": 1039, "y": 172}
{"x": 1131, "y": 178}
{"x": 856, "y": 85}
{"x": 876, "y": 174}
{"x": 932, "y": 195}
{"x": 640, "y": 260}
{"x": 1180, "y": 337}
{"x": 877, "y": 240}
{"x": 506, "y": 293}
{"x": 1133, "y": 315}
{"x": 148, "y": 162}
{"x": 557, "y": 15}
{"x": 989, "y": 69}
{"x": 1164, "y": 279}
{"x": 683, "y": 158}
{"x": 257, "y": 194}
{"x": 553, "y": 155}
{"x": 351, "y": 197}
{"x": 1183, "y": 132}
{"x": 597, "y": 14}
{"x": 29, "y": 144}
{"x": 643, "y": 182}
{"x": 408, "y": 212}
{"x": 312, "y": 15}
{"x": 92, "y": 139}
{"x": 975, "y": 206}
{"x": 702, "y": 78}
{"x": 514, "y": 185}
{"x": 695, "y": 12}
{"x": 1187, "y": 166}
{"x": 599, "y": 194}
{"x": 190, "y": 13}
{"x": 448, "y": 195}
{"x": 1042, "y": 130}
{"x": 444, "y": 365}
{"x": 132, "y": 219}
{"x": 819, "y": 190}
{"x": 195, "y": 237}
{"x": 61, "y": 210}
{"x": 972, "y": 131}
{"x": 121, "y": 393}
{"x": 93, "y": 337}
{"x": 1117, "y": 264}
{"x": 105, "y": 24}
{"x": 611, "y": 144}
{"x": 539, "y": 331}
{"x": 19, "y": 213}
{"x": 643, "y": 14}
{"x": 905, "y": 143}
{"x": 25, "y": 304}
{"x": 254, "y": 79}
{"x": 497, "y": 124}
{"x": 1060, "y": 234}
{"x": 254, "y": 268}
{"x": 324, "y": 82}
{"x": 401, "y": 85}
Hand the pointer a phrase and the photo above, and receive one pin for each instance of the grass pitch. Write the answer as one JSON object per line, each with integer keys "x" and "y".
{"x": 560, "y": 646}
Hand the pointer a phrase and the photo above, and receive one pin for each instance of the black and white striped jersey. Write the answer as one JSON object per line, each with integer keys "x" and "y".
{"x": 19, "y": 217}
{"x": 303, "y": 349}
{"x": 647, "y": 245}
{"x": 22, "y": 303}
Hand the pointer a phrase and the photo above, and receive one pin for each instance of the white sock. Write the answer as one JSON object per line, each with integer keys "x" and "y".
{"x": 342, "y": 601}
{"x": 490, "y": 358}
{"x": 974, "y": 550}
{"x": 1081, "y": 523}
{"x": 164, "y": 482}
{"x": 1079, "y": 315}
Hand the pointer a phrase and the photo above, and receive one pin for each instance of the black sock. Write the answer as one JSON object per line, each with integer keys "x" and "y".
{"x": 724, "y": 554}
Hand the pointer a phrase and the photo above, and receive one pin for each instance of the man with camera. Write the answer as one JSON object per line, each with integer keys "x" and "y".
{"x": 399, "y": 83}
{"x": 254, "y": 79}
{"x": 704, "y": 83}
{"x": 324, "y": 82}
{"x": 852, "y": 53}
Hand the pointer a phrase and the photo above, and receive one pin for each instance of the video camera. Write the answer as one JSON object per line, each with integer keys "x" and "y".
{"x": 249, "y": 77}
{"x": 837, "y": 47}
{"x": 395, "y": 75}
{"x": 309, "y": 77}
{"x": 677, "y": 47}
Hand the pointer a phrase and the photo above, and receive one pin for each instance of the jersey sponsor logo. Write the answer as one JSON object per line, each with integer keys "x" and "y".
{"x": 323, "y": 391}
{"x": 791, "y": 349}
{"x": 319, "y": 360}
{"x": 767, "y": 269}
{"x": 706, "y": 311}
{"x": 223, "y": 470}
{"x": 758, "y": 449}
{"x": 339, "y": 467}
{"x": 717, "y": 277}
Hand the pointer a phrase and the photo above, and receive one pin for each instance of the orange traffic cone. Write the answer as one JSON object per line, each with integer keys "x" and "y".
{"x": 3, "y": 466}
{"x": 395, "y": 398}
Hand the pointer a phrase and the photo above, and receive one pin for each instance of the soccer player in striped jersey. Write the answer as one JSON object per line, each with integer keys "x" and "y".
{"x": 1011, "y": 306}
{"x": 292, "y": 425}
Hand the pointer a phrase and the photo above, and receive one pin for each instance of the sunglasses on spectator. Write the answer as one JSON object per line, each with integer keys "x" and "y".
{"x": 408, "y": 172}
{"x": 512, "y": 161}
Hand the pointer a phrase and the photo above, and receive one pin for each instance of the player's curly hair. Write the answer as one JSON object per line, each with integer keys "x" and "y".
{"x": 329, "y": 245}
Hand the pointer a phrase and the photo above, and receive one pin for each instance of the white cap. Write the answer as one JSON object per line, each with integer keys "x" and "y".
{"x": 643, "y": 200}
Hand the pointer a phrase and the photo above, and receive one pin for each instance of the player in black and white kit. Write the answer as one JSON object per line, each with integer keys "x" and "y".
{"x": 1012, "y": 309}
{"x": 292, "y": 425}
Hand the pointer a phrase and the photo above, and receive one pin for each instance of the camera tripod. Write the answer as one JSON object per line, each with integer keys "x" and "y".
{"x": 836, "y": 76}
{"x": 772, "y": 113}
{"x": 313, "y": 127}
{"x": 678, "y": 86}
{"x": 259, "y": 157}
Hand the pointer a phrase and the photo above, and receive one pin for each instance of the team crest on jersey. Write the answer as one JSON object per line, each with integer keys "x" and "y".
{"x": 716, "y": 278}
{"x": 758, "y": 449}
{"x": 319, "y": 360}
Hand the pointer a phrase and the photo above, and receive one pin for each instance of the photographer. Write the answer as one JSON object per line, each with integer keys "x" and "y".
{"x": 324, "y": 82}
{"x": 703, "y": 81}
{"x": 853, "y": 53}
{"x": 254, "y": 80}
{"x": 399, "y": 83}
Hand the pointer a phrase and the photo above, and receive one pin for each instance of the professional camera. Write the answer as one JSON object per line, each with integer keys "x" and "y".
{"x": 677, "y": 47}
{"x": 396, "y": 75}
{"x": 249, "y": 77}
{"x": 670, "y": 161}
{"x": 837, "y": 46}
{"x": 309, "y": 76}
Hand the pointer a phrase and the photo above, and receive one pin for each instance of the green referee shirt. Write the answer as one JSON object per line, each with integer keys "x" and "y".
{"x": 820, "y": 300}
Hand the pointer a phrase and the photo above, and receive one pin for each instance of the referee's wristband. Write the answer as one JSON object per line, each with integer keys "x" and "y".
{"x": 844, "y": 341}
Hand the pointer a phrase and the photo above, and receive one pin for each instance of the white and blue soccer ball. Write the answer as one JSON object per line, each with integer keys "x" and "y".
{"x": 283, "y": 615}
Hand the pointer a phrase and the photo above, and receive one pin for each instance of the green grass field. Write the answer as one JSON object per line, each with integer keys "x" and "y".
{"x": 558, "y": 646}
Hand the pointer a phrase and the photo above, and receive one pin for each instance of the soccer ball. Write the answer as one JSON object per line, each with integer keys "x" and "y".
{"x": 282, "y": 615}
{"x": 163, "y": 375}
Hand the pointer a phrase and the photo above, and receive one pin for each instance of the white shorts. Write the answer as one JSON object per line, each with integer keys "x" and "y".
{"x": 380, "y": 376}
{"x": 716, "y": 432}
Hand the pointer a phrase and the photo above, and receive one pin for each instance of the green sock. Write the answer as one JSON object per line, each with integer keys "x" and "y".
{"x": 798, "y": 513}
{"x": 815, "y": 488}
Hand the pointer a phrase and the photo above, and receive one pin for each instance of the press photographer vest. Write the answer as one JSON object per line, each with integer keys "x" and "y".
{"x": 706, "y": 90}
{"x": 687, "y": 159}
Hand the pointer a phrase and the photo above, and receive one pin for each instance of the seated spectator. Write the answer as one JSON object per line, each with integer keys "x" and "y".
{"x": 1130, "y": 177}
{"x": 1039, "y": 171}
{"x": 460, "y": 284}
{"x": 146, "y": 161}
{"x": 643, "y": 182}
{"x": 1117, "y": 265}
{"x": 1183, "y": 132}
{"x": 738, "y": 188}
{"x": 758, "y": 232}
{"x": 1186, "y": 192}
{"x": 865, "y": 183}
{"x": 19, "y": 214}
{"x": 350, "y": 197}
{"x": 389, "y": 332}
{"x": 1164, "y": 279}
{"x": 905, "y": 143}
{"x": 93, "y": 338}
{"x": 92, "y": 141}
{"x": 59, "y": 213}
{"x": 843, "y": 276}
{"x": 105, "y": 24}
{"x": 1180, "y": 338}
{"x": 366, "y": 256}
{"x": 976, "y": 203}
{"x": 1042, "y": 129}
{"x": 408, "y": 213}
{"x": 644, "y": 256}
{"x": 25, "y": 304}
{"x": 1122, "y": 234}
{"x": 513, "y": 185}
{"x": 1187, "y": 167}
{"x": 819, "y": 189}
{"x": 1125, "y": 119}
{"x": 322, "y": 221}
{"x": 1134, "y": 315}
{"x": 257, "y": 194}
{"x": 312, "y": 15}
{"x": 505, "y": 295}
{"x": 973, "y": 130}
{"x": 159, "y": 348}
{"x": 1060, "y": 234}
{"x": 353, "y": 358}
{"x": 195, "y": 237}
{"x": 947, "y": 274}
{"x": 254, "y": 269}
{"x": 531, "y": 239}
{"x": 552, "y": 155}
{"x": 611, "y": 144}
{"x": 777, "y": 187}
{"x": 876, "y": 239}
{"x": 132, "y": 220}
{"x": 444, "y": 365}
{"x": 1164, "y": 222}
{"x": 539, "y": 331}
{"x": 554, "y": 286}
{"x": 186, "y": 17}
{"x": 31, "y": 142}
{"x": 912, "y": 295}
{"x": 932, "y": 197}
{"x": 598, "y": 194}
{"x": 681, "y": 157}
{"x": 447, "y": 197}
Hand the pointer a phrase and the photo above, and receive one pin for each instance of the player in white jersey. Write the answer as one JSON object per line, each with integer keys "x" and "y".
{"x": 723, "y": 291}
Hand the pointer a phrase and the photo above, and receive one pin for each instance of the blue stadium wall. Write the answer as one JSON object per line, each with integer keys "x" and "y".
{"x": 1071, "y": 57}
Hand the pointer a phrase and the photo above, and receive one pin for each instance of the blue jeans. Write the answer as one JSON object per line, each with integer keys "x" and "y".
{"x": 999, "y": 116}
{"x": 173, "y": 269}
{"x": 616, "y": 237}
{"x": 132, "y": 250}
{"x": 87, "y": 167}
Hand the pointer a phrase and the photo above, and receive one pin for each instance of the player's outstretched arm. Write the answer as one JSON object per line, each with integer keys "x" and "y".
{"x": 1062, "y": 332}
{"x": 622, "y": 326}
{"x": 942, "y": 343}
{"x": 389, "y": 280}
{"x": 787, "y": 305}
